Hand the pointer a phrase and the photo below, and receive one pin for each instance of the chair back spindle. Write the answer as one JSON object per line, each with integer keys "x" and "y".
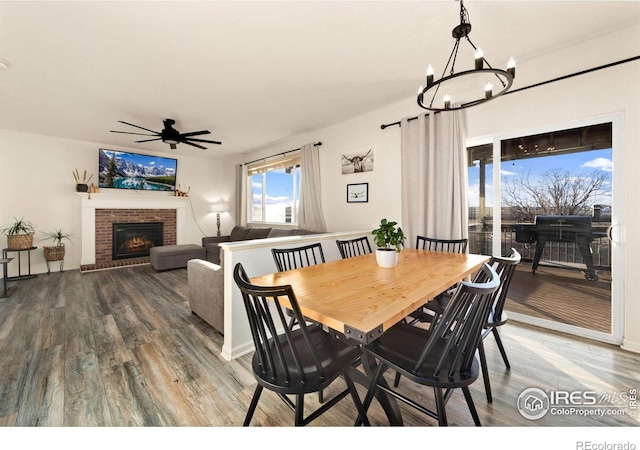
{"x": 354, "y": 247}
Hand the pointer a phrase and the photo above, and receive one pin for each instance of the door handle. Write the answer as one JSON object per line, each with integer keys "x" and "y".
{"x": 610, "y": 233}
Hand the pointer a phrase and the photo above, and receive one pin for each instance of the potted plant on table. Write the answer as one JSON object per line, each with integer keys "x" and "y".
{"x": 390, "y": 240}
{"x": 56, "y": 252}
{"x": 19, "y": 234}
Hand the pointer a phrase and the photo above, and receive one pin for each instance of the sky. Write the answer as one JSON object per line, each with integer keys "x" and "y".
{"x": 575, "y": 163}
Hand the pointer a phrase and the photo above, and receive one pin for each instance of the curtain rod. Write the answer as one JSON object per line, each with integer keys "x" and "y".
{"x": 280, "y": 154}
{"x": 564, "y": 77}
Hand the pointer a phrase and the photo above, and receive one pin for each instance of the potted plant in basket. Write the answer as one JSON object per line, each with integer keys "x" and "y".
{"x": 19, "y": 234}
{"x": 390, "y": 241}
{"x": 55, "y": 253}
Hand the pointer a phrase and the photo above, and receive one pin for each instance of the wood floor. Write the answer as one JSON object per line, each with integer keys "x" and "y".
{"x": 121, "y": 348}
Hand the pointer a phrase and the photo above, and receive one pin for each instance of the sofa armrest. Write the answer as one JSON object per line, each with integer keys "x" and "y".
{"x": 206, "y": 292}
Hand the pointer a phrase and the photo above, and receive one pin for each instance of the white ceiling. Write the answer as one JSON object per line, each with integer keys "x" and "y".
{"x": 253, "y": 73}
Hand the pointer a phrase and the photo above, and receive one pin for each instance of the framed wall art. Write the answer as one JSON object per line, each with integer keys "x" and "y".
{"x": 358, "y": 193}
{"x": 358, "y": 160}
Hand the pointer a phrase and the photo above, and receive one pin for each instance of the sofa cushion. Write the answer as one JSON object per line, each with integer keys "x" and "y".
{"x": 238, "y": 233}
{"x": 257, "y": 233}
{"x": 281, "y": 232}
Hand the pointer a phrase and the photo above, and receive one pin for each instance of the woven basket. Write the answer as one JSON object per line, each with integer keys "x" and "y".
{"x": 54, "y": 253}
{"x": 19, "y": 241}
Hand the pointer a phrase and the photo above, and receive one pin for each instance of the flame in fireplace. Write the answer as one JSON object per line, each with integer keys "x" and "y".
{"x": 136, "y": 244}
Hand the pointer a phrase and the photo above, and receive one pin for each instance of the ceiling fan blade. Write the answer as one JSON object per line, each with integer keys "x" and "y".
{"x": 204, "y": 140}
{"x": 137, "y": 126}
{"x": 149, "y": 140}
{"x": 129, "y": 132}
{"x": 195, "y": 133}
{"x": 194, "y": 145}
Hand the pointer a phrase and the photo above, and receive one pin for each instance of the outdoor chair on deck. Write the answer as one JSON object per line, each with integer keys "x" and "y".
{"x": 442, "y": 357}
{"x": 296, "y": 362}
{"x": 354, "y": 247}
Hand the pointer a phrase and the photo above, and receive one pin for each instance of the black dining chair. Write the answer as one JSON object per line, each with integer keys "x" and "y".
{"x": 296, "y": 362}
{"x": 444, "y": 355}
{"x": 423, "y": 315}
{"x": 295, "y": 258}
{"x": 354, "y": 247}
{"x": 442, "y": 245}
{"x": 505, "y": 268}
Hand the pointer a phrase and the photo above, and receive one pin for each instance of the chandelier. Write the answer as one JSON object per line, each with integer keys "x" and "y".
{"x": 482, "y": 73}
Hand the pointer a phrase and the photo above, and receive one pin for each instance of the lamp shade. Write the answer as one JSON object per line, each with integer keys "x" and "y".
{"x": 217, "y": 207}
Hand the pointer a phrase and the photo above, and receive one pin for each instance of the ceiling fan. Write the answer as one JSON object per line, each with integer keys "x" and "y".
{"x": 170, "y": 135}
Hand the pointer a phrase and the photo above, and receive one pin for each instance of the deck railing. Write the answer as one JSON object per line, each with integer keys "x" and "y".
{"x": 558, "y": 252}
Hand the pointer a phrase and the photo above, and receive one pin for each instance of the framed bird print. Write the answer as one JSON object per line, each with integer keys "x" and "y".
{"x": 358, "y": 193}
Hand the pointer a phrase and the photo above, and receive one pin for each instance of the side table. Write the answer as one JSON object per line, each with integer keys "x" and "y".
{"x": 4, "y": 262}
{"x": 20, "y": 276}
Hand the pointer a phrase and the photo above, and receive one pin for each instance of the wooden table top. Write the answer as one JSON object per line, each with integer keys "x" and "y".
{"x": 357, "y": 297}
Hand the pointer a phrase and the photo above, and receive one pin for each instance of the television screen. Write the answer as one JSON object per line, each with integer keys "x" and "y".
{"x": 122, "y": 170}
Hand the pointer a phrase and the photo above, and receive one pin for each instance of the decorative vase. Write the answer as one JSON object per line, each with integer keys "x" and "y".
{"x": 19, "y": 241}
{"x": 387, "y": 258}
{"x": 82, "y": 187}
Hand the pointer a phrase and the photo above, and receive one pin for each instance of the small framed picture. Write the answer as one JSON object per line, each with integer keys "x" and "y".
{"x": 358, "y": 193}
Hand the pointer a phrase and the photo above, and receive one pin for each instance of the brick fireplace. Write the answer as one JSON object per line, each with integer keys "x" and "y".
{"x": 102, "y": 211}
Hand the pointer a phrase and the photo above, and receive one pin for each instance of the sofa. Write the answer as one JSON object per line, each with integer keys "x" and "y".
{"x": 238, "y": 233}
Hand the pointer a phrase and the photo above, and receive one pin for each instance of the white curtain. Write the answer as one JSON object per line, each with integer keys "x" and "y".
{"x": 434, "y": 176}
{"x": 241, "y": 195}
{"x": 310, "y": 215}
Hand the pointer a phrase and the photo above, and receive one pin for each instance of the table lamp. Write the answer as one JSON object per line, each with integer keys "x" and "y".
{"x": 217, "y": 208}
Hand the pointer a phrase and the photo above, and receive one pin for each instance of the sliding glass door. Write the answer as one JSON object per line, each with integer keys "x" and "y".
{"x": 551, "y": 195}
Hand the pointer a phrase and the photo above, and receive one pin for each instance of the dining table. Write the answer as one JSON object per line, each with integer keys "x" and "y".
{"x": 361, "y": 300}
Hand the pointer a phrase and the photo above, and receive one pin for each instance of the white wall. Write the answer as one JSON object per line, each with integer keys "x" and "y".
{"x": 36, "y": 183}
{"x": 612, "y": 90}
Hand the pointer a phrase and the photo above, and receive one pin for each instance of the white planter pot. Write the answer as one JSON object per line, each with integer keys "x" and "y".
{"x": 387, "y": 258}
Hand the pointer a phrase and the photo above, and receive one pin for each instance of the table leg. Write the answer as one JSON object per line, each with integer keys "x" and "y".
{"x": 388, "y": 403}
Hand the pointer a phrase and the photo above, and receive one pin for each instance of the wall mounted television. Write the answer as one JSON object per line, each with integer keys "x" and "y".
{"x": 125, "y": 170}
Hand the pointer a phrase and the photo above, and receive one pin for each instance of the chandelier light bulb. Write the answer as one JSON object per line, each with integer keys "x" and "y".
{"x": 479, "y": 56}
{"x": 429, "y": 75}
{"x": 488, "y": 90}
{"x": 447, "y": 101}
{"x": 420, "y": 90}
{"x": 511, "y": 67}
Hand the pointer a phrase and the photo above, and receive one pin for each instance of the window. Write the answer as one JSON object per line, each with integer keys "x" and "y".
{"x": 274, "y": 190}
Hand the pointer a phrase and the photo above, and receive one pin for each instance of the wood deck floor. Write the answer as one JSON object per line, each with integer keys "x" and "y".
{"x": 562, "y": 295}
{"x": 121, "y": 348}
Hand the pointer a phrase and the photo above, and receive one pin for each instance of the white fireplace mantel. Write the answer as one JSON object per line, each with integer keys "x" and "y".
{"x": 91, "y": 202}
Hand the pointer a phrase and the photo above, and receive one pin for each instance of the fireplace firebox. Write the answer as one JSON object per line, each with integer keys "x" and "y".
{"x": 132, "y": 240}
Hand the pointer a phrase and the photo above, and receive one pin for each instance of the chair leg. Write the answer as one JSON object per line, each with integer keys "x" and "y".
{"x": 485, "y": 372}
{"x": 252, "y": 406}
{"x": 501, "y": 347}
{"x": 396, "y": 381}
{"x": 472, "y": 407}
{"x": 440, "y": 407}
{"x": 320, "y": 396}
{"x": 299, "y": 412}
